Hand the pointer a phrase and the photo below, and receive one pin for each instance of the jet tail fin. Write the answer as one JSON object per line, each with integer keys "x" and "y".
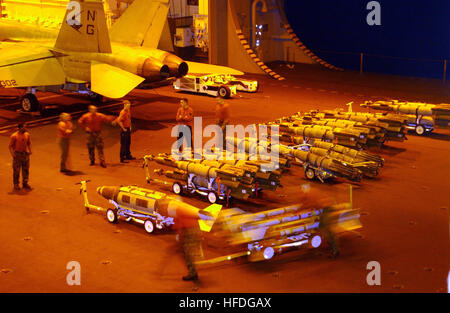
{"x": 141, "y": 24}
{"x": 84, "y": 28}
{"x": 208, "y": 217}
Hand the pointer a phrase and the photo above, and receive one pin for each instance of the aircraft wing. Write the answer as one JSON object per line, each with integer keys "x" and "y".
{"x": 16, "y": 52}
{"x": 14, "y": 30}
{"x": 141, "y": 24}
{"x": 24, "y": 66}
{"x": 203, "y": 68}
{"x": 111, "y": 81}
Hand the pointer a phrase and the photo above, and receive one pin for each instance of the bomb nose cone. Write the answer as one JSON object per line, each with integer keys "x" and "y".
{"x": 107, "y": 192}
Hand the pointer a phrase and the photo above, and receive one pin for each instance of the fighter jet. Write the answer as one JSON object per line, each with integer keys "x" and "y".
{"x": 87, "y": 58}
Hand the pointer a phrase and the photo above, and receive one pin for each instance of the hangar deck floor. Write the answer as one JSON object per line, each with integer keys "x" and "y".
{"x": 405, "y": 211}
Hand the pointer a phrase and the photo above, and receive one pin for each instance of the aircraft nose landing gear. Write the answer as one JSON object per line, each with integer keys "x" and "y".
{"x": 29, "y": 103}
{"x": 95, "y": 97}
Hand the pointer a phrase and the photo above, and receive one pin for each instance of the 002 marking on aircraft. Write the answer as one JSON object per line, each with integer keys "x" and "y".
{"x": 8, "y": 83}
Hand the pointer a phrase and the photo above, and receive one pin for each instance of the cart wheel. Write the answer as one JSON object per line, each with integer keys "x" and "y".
{"x": 177, "y": 189}
{"x": 224, "y": 92}
{"x": 29, "y": 103}
{"x": 310, "y": 173}
{"x": 420, "y": 130}
{"x": 268, "y": 253}
{"x": 148, "y": 226}
{"x": 212, "y": 198}
{"x": 111, "y": 215}
{"x": 316, "y": 241}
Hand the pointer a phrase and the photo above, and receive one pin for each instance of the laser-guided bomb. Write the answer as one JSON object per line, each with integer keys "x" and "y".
{"x": 342, "y": 136}
{"x": 421, "y": 117}
{"x": 322, "y": 167}
{"x": 406, "y": 107}
{"x": 358, "y": 156}
{"x": 393, "y": 125}
{"x": 317, "y": 166}
{"x": 374, "y": 134}
{"x": 252, "y": 156}
{"x": 260, "y": 236}
{"x": 267, "y": 180}
{"x": 367, "y": 163}
{"x": 367, "y": 168}
{"x": 153, "y": 209}
{"x": 215, "y": 183}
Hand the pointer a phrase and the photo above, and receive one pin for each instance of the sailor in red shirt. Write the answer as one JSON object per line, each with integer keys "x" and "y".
{"x": 185, "y": 115}
{"x": 20, "y": 149}
{"x": 91, "y": 122}
{"x": 124, "y": 121}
